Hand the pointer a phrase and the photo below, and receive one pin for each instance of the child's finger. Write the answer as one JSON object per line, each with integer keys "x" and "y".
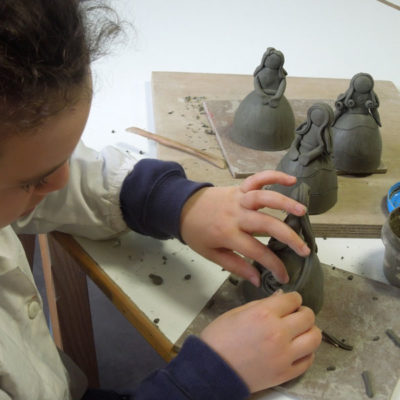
{"x": 250, "y": 247}
{"x": 300, "y": 321}
{"x": 258, "y": 222}
{"x": 306, "y": 343}
{"x": 300, "y": 366}
{"x": 236, "y": 264}
{"x": 257, "y": 199}
{"x": 284, "y": 304}
{"x": 260, "y": 179}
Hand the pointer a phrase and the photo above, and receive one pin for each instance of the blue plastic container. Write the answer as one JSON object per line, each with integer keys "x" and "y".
{"x": 393, "y": 197}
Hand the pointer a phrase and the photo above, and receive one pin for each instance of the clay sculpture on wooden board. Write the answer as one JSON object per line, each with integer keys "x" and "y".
{"x": 309, "y": 159}
{"x": 306, "y": 275}
{"x": 264, "y": 119}
{"x": 357, "y": 140}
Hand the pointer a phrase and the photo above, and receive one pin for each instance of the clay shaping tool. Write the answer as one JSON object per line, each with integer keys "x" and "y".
{"x": 214, "y": 160}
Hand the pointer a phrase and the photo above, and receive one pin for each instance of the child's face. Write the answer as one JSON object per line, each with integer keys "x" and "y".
{"x": 34, "y": 164}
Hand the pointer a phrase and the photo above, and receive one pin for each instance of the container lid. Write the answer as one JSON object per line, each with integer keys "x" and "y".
{"x": 393, "y": 197}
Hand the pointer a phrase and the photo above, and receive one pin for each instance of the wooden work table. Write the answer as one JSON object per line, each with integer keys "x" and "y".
{"x": 124, "y": 268}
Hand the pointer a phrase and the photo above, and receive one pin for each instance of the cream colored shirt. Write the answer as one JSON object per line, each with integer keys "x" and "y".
{"x": 30, "y": 365}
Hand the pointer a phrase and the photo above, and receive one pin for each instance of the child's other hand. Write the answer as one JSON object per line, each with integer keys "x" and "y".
{"x": 219, "y": 223}
{"x": 267, "y": 342}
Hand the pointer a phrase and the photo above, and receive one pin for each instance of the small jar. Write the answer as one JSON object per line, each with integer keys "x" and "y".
{"x": 390, "y": 235}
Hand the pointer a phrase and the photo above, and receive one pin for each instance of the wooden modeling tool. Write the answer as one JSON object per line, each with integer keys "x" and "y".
{"x": 214, "y": 160}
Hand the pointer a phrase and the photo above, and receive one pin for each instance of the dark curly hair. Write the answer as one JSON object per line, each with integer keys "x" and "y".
{"x": 46, "y": 47}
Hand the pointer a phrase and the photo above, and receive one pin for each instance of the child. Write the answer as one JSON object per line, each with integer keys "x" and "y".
{"x": 49, "y": 180}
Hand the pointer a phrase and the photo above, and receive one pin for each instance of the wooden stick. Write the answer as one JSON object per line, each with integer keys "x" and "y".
{"x": 214, "y": 160}
{"x": 390, "y": 4}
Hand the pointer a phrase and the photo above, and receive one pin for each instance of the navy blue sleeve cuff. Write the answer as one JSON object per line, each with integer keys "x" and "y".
{"x": 197, "y": 373}
{"x": 152, "y": 197}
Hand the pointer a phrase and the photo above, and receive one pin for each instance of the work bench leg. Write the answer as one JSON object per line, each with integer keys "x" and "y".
{"x": 73, "y": 311}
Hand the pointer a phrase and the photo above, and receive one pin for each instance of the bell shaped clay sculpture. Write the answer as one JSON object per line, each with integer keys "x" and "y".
{"x": 309, "y": 159}
{"x": 264, "y": 119}
{"x": 357, "y": 141}
{"x": 305, "y": 274}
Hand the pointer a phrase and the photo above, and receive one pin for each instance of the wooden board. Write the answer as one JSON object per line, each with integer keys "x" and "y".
{"x": 179, "y": 114}
{"x": 356, "y": 309}
{"x": 243, "y": 161}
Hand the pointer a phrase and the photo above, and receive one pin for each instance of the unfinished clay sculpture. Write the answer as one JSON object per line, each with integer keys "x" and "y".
{"x": 357, "y": 141}
{"x": 309, "y": 159}
{"x": 306, "y": 275}
{"x": 264, "y": 119}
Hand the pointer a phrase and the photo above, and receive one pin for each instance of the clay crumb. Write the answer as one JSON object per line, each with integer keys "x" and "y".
{"x": 156, "y": 279}
{"x": 187, "y": 277}
{"x": 375, "y": 338}
{"x": 342, "y": 258}
{"x": 333, "y": 267}
{"x": 141, "y": 152}
{"x": 393, "y": 337}
{"x": 350, "y": 277}
{"x": 156, "y": 320}
{"x": 233, "y": 280}
{"x": 170, "y": 112}
{"x": 331, "y": 368}
{"x": 374, "y": 298}
{"x": 113, "y": 131}
{"x": 366, "y": 376}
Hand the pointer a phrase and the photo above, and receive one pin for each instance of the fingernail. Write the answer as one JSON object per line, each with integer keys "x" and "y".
{"x": 285, "y": 279}
{"x": 300, "y": 208}
{"x": 305, "y": 250}
{"x": 255, "y": 280}
{"x": 277, "y": 292}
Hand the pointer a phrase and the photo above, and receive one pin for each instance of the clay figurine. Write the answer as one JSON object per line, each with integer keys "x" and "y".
{"x": 357, "y": 141}
{"x": 306, "y": 275}
{"x": 264, "y": 119}
{"x": 309, "y": 159}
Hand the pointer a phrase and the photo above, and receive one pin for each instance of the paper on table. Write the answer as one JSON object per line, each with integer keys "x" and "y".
{"x": 189, "y": 280}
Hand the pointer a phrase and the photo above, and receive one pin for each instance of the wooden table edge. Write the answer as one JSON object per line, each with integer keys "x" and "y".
{"x": 123, "y": 303}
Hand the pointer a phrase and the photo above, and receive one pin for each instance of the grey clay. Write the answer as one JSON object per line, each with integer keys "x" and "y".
{"x": 264, "y": 119}
{"x": 306, "y": 275}
{"x": 309, "y": 159}
{"x": 357, "y": 140}
{"x": 390, "y": 235}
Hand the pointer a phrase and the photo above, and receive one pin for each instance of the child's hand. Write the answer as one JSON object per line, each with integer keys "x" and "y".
{"x": 217, "y": 222}
{"x": 267, "y": 342}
